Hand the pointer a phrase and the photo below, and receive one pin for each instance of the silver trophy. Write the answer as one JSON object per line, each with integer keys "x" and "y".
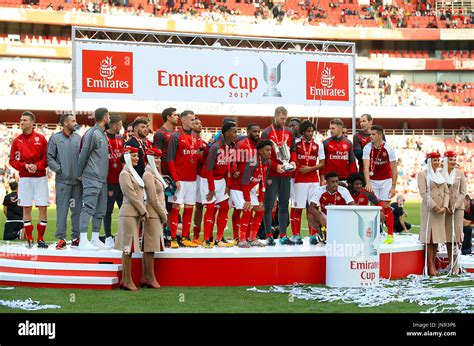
{"x": 272, "y": 78}
{"x": 367, "y": 233}
{"x": 283, "y": 155}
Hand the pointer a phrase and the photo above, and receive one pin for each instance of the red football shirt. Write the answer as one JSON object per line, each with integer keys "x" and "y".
{"x": 183, "y": 156}
{"x": 28, "y": 149}
{"x": 307, "y": 154}
{"x": 161, "y": 140}
{"x": 324, "y": 198}
{"x": 115, "y": 144}
{"x": 380, "y": 159}
{"x": 339, "y": 156}
{"x": 279, "y": 136}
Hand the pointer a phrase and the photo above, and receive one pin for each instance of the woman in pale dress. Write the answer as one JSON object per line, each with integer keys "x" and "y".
{"x": 156, "y": 208}
{"x": 435, "y": 198}
{"x": 457, "y": 184}
{"x": 132, "y": 212}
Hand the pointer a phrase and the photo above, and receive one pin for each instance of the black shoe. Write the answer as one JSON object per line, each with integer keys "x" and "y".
{"x": 167, "y": 242}
{"x": 75, "y": 242}
{"x": 42, "y": 244}
{"x": 286, "y": 241}
{"x": 270, "y": 241}
{"x": 30, "y": 244}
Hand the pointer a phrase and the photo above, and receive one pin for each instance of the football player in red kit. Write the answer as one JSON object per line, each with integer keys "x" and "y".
{"x": 356, "y": 187}
{"x": 331, "y": 194}
{"x": 182, "y": 164}
{"x": 215, "y": 185}
{"x": 28, "y": 156}
{"x": 203, "y": 149}
{"x": 246, "y": 150}
{"x": 380, "y": 173}
{"x": 309, "y": 159}
{"x": 279, "y": 177}
{"x": 338, "y": 152}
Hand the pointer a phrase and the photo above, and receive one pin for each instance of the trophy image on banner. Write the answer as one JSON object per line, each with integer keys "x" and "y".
{"x": 272, "y": 79}
{"x": 367, "y": 233}
{"x": 283, "y": 155}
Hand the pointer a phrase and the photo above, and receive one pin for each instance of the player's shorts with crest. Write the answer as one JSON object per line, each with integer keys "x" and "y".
{"x": 382, "y": 188}
{"x": 303, "y": 193}
{"x": 33, "y": 190}
{"x": 219, "y": 185}
{"x": 186, "y": 194}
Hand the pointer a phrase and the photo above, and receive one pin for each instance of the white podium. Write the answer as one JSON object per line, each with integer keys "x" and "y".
{"x": 352, "y": 247}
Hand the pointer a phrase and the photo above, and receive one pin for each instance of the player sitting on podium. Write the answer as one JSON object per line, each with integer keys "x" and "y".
{"x": 330, "y": 194}
{"x": 356, "y": 187}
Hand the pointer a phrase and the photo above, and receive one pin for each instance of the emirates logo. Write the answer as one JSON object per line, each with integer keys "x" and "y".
{"x": 107, "y": 69}
{"x": 327, "y": 79}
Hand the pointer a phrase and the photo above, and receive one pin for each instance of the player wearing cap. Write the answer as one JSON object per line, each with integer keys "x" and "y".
{"x": 380, "y": 173}
{"x": 309, "y": 159}
{"x": 28, "y": 156}
{"x": 182, "y": 164}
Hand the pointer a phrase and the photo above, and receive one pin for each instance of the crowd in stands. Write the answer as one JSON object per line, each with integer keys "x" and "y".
{"x": 409, "y": 14}
{"x": 393, "y": 92}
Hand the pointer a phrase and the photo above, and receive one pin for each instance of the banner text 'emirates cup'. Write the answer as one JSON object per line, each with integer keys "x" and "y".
{"x": 211, "y": 75}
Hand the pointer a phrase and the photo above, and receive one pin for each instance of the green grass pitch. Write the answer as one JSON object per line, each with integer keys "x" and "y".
{"x": 192, "y": 299}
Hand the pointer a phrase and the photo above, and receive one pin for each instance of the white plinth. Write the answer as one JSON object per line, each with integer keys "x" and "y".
{"x": 352, "y": 250}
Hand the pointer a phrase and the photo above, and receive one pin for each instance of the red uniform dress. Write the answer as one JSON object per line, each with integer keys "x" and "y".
{"x": 339, "y": 157}
{"x": 324, "y": 198}
{"x": 161, "y": 140}
{"x": 182, "y": 165}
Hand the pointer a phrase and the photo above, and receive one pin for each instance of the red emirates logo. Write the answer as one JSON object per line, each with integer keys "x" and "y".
{"x": 107, "y": 72}
{"x": 327, "y": 81}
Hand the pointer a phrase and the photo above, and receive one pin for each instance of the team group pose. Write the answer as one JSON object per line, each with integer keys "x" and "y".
{"x": 177, "y": 180}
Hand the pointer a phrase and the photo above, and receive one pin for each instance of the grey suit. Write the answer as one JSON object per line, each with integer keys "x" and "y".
{"x": 63, "y": 155}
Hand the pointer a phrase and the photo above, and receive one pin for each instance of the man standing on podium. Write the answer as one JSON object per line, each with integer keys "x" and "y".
{"x": 278, "y": 179}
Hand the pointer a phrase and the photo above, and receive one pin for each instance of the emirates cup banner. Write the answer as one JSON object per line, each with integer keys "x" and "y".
{"x": 112, "y": 71}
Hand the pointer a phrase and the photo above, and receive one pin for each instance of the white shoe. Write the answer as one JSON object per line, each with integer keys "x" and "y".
{"x": 86, "y": 245}
{"x": 99, "y": 245}
{"x": 110, "y": 242}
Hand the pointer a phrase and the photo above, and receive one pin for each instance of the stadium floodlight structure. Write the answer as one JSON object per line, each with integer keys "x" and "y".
{"x": 313, "y": 72}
